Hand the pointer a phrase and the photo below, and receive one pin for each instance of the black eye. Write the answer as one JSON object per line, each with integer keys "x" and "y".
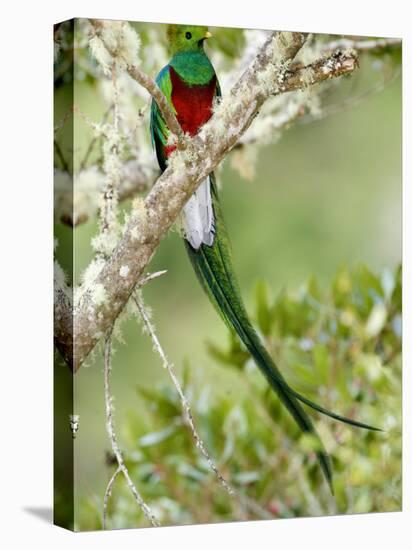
{"x": 188, "y": 35}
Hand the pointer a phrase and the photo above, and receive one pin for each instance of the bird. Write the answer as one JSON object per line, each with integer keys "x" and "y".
{"x": 191, "y": 87}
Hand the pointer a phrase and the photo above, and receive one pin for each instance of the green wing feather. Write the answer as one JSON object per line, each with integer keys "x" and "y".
{"x": 158, "y": 128}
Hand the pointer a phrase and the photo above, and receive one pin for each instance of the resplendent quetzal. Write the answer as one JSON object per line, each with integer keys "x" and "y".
{"x": 190, "y": 85}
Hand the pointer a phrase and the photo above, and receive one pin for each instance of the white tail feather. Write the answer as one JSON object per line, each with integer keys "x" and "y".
{"x": 198, "y": 221}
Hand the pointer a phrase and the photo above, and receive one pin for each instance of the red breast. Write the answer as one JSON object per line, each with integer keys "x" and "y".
{"x": 193, "y": 104}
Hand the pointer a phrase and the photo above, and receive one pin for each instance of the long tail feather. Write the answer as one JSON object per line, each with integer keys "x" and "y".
{"x": 331, "y": 414}
{"x": 206, "y": 266}
{"x": 213, "y": 266}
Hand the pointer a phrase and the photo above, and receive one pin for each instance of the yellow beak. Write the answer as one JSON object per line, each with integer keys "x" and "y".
{"x": 208, "y": 34}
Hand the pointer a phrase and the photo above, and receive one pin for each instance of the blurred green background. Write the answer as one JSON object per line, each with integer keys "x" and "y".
{"x": 327, "y": 195}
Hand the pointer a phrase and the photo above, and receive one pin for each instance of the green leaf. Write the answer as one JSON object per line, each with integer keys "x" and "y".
{"x": 236, "y": 356}
{"x": 246, "y": 478}
{"x": 310, "y": 443}
{"x": 157, "y": 437}
{"x": 189, "y": 471}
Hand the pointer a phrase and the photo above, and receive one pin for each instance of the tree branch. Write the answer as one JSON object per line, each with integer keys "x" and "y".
{"x": 269, "y": 74}
{"x": 337, "y": 65}
{"x": 150, "y": 277}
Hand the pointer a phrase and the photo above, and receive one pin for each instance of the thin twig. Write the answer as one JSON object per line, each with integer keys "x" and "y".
{"x": 107, "y": 494}
{"x": 185, "y": 404}
{"x": 112, "y": 433}
{"x": 150, "y": 277}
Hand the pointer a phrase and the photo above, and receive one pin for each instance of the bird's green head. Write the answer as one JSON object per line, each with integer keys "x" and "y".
{"x": 186, "y": 38}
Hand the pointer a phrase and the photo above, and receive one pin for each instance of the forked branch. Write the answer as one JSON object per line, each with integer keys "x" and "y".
{"x": 269, "y": 74}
